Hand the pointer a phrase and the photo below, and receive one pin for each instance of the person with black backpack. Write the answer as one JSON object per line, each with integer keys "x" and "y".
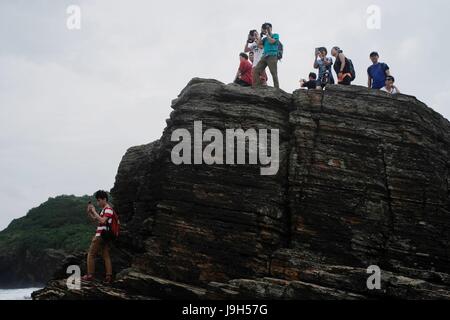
{"x": 343, "y": 66}
{"x": 273, "y": 51}
{"x": 107, "y": 230}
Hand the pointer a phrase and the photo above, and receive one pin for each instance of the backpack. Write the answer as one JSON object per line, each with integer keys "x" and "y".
{"x": 112, "y": 231}
{"x": 325, "y": 78}
{"x": 351, "y": 67}
{"x": 280, "y": 50}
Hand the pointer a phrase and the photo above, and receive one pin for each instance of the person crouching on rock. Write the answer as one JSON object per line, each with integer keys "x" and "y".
{"x": 244, "y": 73}
{"x": 390, "y": 87}
{"x": 342, "y": 67}
{"x": 98, "y": 244}
{"x": 311, "y": 84}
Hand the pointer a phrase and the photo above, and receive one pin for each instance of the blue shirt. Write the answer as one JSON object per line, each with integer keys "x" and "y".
{"x": 271, "y": 49}
{"x": 324, "y": 68}
{"x": 378, "y": 74}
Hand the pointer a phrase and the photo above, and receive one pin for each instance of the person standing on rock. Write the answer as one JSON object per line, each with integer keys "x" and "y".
{"x": 377, "y": 72}
{"x": 271, "y": 44}
{"x": 324, "y": 64}
{"x": 99, "y": 244}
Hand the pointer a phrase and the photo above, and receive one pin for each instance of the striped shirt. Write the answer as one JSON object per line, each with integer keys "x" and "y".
{"x": 107, "y": 212}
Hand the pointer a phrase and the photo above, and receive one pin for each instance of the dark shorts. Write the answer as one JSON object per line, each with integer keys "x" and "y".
{"x": 322, "y": 82}
{"x": 347, "y": 81}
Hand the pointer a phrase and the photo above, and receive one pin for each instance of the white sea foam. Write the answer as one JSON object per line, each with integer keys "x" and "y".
{"x": 17, "y": 294}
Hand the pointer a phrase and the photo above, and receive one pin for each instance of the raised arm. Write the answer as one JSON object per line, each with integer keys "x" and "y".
{"x": 342, "y": 58}
{"x": 271, "y": 38}
{"x": 94, "y": 215}
{"x": 259, "y": 41}
{"x": 369, "y": 81}
{"x": 316, "y": 64}
{"x": 247, "y": 48}
{"x": 91, "y": 216}
{"x": 89, "y": 211}
{"x": 100, "y": 219}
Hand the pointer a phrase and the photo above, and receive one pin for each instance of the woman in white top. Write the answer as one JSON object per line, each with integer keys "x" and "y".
{"x": 256, "y": 53}
{"x": 389, "y": 86}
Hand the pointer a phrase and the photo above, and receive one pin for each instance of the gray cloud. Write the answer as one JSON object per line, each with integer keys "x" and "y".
{"x": 72, "y": 102}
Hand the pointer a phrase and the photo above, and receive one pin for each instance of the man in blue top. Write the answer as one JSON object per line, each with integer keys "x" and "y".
{"x": 377, "y": 72}
{"x": 269, "y": 42}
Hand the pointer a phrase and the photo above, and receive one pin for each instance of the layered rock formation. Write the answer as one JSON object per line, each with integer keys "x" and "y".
{"x": 363, "y": 180}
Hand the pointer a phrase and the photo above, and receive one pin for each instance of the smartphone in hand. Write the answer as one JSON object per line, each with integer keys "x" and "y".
{"x": 88, "y": 209}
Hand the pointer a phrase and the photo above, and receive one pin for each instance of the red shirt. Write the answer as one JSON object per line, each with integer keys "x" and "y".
{"x": 106, "y": 212}
{"x": 245, "y": 68}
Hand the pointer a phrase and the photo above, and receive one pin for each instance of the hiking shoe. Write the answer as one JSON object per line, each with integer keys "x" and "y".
{"x": 108, "y": 280}
{"x": 88, "y": 278}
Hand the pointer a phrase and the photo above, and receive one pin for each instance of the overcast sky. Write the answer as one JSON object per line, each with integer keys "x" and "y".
{"x": 72, "y": 102}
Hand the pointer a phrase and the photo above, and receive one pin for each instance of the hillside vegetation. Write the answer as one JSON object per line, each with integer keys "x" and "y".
{"x": 60, "y": 223}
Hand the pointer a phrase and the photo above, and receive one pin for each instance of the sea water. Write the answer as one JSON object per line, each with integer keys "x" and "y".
{"x": 17, "y": 294}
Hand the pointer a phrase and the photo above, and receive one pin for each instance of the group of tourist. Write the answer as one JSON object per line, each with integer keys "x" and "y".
{"x": 379, "y": 76}
{"x": 264, "y": 50}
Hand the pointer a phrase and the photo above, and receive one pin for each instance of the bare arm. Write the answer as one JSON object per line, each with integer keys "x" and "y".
{"x": 369, "y": 82}
{"x": 95, "y": 216}
{"x": 259, "y": 41}
{"x": 270, "y": 39}
{"x": 238, "y": 73}
{"x": 342, "y": 58}
{"x": 100, "y": 219}
{"x": 89, "y": 212}
{"x": 246, "y": 48}
{"x": 316, "y": 64}
{"x": 91, "y": 217}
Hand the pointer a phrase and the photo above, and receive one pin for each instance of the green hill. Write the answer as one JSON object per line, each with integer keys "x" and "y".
{"x": 30, "y": 245}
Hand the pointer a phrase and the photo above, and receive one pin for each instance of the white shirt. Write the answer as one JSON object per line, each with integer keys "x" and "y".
{"x": 257, "y": 53}
{"x": 392, "y": 91}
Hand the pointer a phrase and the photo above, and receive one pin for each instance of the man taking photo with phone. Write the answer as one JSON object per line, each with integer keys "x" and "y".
{"x": 270, "y": 42}
{"x": 99, "y": 244}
